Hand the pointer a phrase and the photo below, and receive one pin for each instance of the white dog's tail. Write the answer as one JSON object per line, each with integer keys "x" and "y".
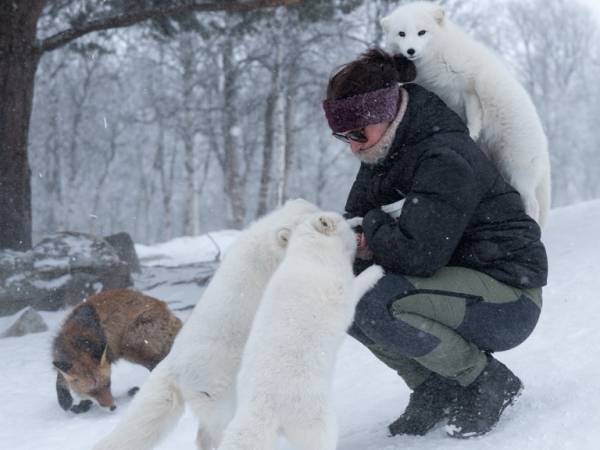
{"x": 543, "y": 193}
{"x": 154, "y": 411}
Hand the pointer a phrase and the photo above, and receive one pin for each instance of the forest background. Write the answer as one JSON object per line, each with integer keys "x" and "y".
{"x": 205, "y": 121}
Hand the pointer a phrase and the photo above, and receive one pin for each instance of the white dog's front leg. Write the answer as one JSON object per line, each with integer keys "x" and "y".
{"x": 365, "y": 281}
{"x": 474, "y": 114}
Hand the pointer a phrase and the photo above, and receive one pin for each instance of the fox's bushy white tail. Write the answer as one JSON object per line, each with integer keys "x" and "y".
{"x": 154, "y": 411}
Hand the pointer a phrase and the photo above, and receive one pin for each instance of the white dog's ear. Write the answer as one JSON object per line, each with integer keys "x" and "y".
{"x": 283, "y": 236}
{"x": 439, "y": 14}
{"x": 325, "y": 225}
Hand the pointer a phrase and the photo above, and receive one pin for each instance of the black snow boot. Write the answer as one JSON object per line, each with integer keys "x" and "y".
{"x": 429, "y": 403}
{"x": 480, "y": 405}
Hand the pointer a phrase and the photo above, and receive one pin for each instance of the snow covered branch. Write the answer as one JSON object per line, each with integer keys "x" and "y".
{"x": 127, "y": 19}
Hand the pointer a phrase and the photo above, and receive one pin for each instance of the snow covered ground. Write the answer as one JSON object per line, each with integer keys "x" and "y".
{"x": 559, "y": 364}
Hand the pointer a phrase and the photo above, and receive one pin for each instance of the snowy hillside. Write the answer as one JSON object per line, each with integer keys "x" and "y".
{"x": 559, "y": 364}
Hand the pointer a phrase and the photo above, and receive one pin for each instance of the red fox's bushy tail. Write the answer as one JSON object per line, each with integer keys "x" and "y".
{"x": 154, "y": 411}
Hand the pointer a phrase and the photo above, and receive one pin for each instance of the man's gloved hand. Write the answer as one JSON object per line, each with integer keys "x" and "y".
{"x": 375, "y": 219}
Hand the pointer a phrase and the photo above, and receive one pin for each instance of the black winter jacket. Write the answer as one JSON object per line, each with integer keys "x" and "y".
{"x": 458, "y": 209}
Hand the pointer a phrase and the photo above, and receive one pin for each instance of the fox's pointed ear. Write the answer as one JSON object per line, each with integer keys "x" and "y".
{"x": 63, "y": 366}
{"x": 385, "y": 24}
{"x": 439, "y": 15}
{"x": 325, "y": 225}
{"x": 104, "y": 357}
{"x": 283, "y": 236}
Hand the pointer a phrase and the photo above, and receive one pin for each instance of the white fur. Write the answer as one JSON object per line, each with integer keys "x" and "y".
{"x": 474, "y": 82}
{"x": 200, "y": 370}
{"x": 284, "y": 384}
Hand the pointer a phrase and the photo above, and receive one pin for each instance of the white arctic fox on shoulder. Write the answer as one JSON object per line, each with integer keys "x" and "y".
{"x": 284, "y": 384}
{"x": 201, "y": 368}
{"x": 475, "y": 83}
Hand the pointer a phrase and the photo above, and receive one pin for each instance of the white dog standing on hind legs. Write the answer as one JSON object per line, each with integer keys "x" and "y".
{"x": 284, "y": 384}
{"x": 200, "y": 370}
{"x": 475, "y": 83}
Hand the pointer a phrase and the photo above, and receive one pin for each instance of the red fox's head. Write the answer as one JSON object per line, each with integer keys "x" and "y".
{"x": 81, "y": 356}
{"x": 89, "y": 376}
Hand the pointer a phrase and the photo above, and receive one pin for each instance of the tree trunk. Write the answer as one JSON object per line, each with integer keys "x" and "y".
{"x": 18, "y": 63}
{"x": 54, "y": 181}
{"x": 280, "y": 144}
{"x": 230, "y": 129}
{"x": 191, "y": 219}
{"x": 268, "y": 144}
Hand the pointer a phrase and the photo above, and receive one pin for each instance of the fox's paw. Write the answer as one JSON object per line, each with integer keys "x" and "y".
{"x": 83, "y": 406}
{"x": 355, "y": 222}
{"x": 474, "y": 134}
{"x": 367, "y": 279}
{"x": 373, "y": 274}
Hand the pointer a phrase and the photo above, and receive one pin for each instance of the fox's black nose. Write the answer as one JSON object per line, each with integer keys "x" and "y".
{"x": 410, "y": 51}
{"x": 113, "y": 407}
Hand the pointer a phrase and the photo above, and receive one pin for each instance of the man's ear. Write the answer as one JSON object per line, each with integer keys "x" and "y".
{"x": 324, "y": 224}
{"x": 439, "y": 14}
{"x": 283, "y": 236}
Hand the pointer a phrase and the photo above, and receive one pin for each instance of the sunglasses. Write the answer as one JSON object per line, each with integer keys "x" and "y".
{"x": 356, "y": 136}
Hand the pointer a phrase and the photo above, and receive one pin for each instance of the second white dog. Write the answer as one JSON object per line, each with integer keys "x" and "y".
{"x": 475, "y": 83}
{"x": 284, "y": 384}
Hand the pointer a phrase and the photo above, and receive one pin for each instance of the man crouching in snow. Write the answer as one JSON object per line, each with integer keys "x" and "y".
{"x": 464, "y": 262}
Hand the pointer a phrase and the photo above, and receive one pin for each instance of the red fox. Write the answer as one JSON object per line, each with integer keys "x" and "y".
{"x": 114, "y": 324}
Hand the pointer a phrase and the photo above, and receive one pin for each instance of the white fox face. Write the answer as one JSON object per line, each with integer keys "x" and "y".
{"x": 288, "y": 217}
{"x": 331, "y": 225}
{"x": 409, "y": 29}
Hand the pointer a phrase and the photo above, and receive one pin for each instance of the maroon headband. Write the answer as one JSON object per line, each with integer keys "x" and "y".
{"x": 358, "y": 111}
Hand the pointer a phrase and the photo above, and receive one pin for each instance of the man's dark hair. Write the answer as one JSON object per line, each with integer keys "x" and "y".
{"x": 374, "y": 69}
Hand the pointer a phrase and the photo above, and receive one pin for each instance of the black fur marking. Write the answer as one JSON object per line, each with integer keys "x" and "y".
{"x": 94, "y": 340}
{"x": 93, "y": 347}
{"x": 65, "y": 366}
{"x": 85, "y": 315}
{"x": 62, "y": 392}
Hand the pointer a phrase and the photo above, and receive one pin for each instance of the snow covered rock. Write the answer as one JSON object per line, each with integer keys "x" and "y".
{"x": 59, "y": 271}
{"x": 125, "y": 248}
{"x": 29, "y": 322}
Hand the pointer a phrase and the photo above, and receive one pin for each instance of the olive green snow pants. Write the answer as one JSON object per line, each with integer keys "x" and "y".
{"x": 445, "y": 323}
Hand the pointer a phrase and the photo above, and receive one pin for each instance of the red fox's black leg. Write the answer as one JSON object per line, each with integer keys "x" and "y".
{"x": 62, "y": 392}
{"x": 83, "y": 406}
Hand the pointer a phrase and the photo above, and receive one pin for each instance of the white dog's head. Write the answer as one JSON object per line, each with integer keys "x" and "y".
{"x": 326, "y": 229}
{"x": 409, "y": 29}
{"x": 270, "y": 234}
